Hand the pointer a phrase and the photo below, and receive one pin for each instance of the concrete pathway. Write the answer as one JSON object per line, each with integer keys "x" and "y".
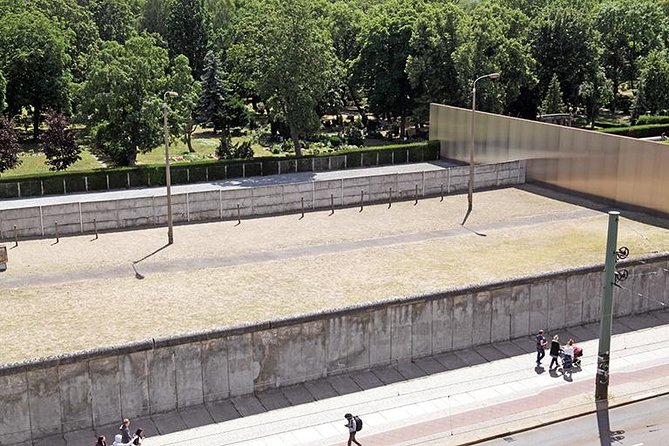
{"x": 236, "y": 183}
{"x": 451, "y": 399}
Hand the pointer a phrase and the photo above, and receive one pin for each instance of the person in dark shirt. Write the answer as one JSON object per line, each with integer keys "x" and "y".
{"x": 541, "y": 346}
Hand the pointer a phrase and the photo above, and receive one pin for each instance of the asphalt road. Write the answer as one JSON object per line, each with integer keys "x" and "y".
{"x": 640, "y": 424}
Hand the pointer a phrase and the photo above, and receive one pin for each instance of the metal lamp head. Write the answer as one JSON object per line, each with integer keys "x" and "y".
{"x": 493, "y": 76}
{"x": 171, "y": 94}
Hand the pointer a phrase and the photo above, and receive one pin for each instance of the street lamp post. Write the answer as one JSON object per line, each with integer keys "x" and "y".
{"x": 472, "y": 143}
{"x": 168, "y": 178}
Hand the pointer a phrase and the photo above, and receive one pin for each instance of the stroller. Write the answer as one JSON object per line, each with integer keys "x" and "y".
{"x": 567, "y": 361}
{"x": 578, "y": 352}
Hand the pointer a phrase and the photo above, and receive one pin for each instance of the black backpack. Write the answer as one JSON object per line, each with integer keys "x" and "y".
{"x": 358, "y": 423}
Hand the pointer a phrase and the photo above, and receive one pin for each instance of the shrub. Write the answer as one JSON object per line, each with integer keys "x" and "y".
{"x": 355, "y": 133}
{"x": 334, "y": 141}
{"x": 226, "y": 150}
{"x": 649, "y": 119}
{"x": 639, "y": 131}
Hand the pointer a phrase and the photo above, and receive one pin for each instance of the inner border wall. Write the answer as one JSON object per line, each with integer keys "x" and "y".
{"x": 90, "y": 389}
{"x": 623, "y": 170}
{"x": 246, "y": 202}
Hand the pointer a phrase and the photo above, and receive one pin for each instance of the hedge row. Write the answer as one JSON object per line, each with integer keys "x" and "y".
{"x": 57, "y": 183}
{"x": 649, "y": 119}
{"x": 639, "y": 131}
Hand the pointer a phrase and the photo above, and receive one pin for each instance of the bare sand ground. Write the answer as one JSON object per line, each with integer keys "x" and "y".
{"x": 82, "y": 293}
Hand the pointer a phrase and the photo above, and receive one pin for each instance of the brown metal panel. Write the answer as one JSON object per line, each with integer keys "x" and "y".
{"x": 617, "y": 168}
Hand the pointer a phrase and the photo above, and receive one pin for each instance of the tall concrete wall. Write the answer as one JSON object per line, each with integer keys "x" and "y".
{"x": 77, "y": 218}
{"x": 95, "y": 388}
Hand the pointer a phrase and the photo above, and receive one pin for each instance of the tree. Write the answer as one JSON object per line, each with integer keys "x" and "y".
{"x": 653, "y": 93}
{"x": 34, "y": 62}
{"x": 187, "y": 32}
{"x": 9, "y": 145}
{"x": 58, "y": 142}
{"x": 122, "y": 98}
{"x": 3, "y": 92}
{"x": 565, "y": 43}
{"x": 552, "y": 102}
{"x": 154, "y": 17}
{"x": 430, "y": 66}
{"x": 182, "y": 116}
{"x": 294, "y": 65}
{"x": 385, "y": 49}
{"x": 211, "y": 103}
{"x": 228, "y": 150}
{"x": 114, "y": 19}
{"x": 594, "y": 93}
{"x": 495, "y": 39}
{"x": 630, "y": 29}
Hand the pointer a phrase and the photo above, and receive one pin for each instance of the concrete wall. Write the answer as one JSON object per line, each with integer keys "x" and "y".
{"x": 95, "y": 388}
{"x": 77, "y": 218}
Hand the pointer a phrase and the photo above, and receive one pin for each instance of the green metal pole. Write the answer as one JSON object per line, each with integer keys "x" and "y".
{"x": 602, "y": 378}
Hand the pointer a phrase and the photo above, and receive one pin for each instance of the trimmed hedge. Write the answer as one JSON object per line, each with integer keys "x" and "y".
{"x": 639, "y": 131}
{"x": 649, "y": 119}
{"x": 54, "y": 183}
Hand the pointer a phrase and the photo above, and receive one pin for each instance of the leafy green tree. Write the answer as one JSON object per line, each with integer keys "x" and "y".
{"x": 430, "y": 66}
{"x": 553, "y": 102}
{"x": 495, "y": 40}
{"x": 565, "y": 43}
{"x": 122, "y": 98}
{"x": 385, "y": 48}
{"x": 58, "y": 142}
{"x": 630, "y": 29}
{"x": 295, "y": 66}
{"x": 3, "y": 92}
{"x": 34, "y": 62}
{"x": 9, "y": 145}
{"x": 594, "y": 94}
{"x": 653, "y": 93}
{"x": 154, "y": 17}
{"x": 114, "y": 19}
{"x": 182, "y": 116}
{"x": 188, "y": 32}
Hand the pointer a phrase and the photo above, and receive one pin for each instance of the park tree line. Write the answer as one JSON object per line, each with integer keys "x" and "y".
{"x": 106, "y": 64}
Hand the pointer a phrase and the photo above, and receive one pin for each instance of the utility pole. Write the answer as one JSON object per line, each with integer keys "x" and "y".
{"x": 602, "y": 378}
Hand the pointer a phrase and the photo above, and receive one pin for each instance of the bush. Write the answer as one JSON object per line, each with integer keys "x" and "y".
{"x": 639, "y": 131}
{"x": 355, "y": 133}
{"x": 334, "y": 141}
{"x": 649, "y": 119}
{"x": 226, "y": 150}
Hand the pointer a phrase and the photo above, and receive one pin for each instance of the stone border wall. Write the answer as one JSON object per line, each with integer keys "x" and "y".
{"x": 226, "y": 204}
{"x": 91, "y": 389}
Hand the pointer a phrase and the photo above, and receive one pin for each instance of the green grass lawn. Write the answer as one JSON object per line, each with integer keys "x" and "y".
{"x": 35, "y": 163}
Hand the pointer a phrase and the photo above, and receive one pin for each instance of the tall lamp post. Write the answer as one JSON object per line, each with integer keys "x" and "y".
{"x": 472, "y": 144}
{"x": 168, "y": 178}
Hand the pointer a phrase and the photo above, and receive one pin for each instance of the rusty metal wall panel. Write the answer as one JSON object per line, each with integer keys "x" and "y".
{"x": 622, "y": 169}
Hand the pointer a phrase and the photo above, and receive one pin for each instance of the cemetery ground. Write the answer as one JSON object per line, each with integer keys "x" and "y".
{"x": 82, "y": 293}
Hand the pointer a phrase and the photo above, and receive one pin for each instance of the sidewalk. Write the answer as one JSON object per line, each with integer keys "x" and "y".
{"x": 489, "y": 391}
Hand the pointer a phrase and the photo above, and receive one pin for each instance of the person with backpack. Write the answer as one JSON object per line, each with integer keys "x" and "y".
{"x": 354, "y": 424}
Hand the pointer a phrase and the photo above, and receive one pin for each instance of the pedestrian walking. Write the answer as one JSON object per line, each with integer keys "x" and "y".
{"x": 125, "y": 431}
{"x": 102, "y": 441}
{"x": 139, "y": 436}
{"x": 541, "y": 347}
{"x": 352, "y": 425}
{"x": 119, "y": 442}
{"x": 555, "y": 352}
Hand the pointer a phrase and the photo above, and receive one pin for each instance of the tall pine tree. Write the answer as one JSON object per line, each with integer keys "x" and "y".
{"x": 211, "y": 106}
{"x": 552, "y": 102}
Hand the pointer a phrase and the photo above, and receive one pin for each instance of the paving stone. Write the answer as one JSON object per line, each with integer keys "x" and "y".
{"x": 409, "y": 370}
{"x": 470, "y": 357}
{"x": 166, "y": 423}
{"x": 273, "y": 399}
{"x": 320, "y": 389}
{"x": 248, "y": 405}
{"x": 450, "y": 360}
{"x": 528, "y": 345}
{"x": 430, "y": 365}
{"x": 297, "y": 394}
{"x": 366, "y": 380}
{"x": 489, "y": 352}
{"x": 54, "y": 440}
{"x": 146, "y": 423}
{"x": 223, "y": 411}
{"x": 196, "y": 416}
{"x": 387, "y": 375}
{"x": 83, "y": 437}
{"x": 343, "y": 384}
{"x": 509, "y": 349}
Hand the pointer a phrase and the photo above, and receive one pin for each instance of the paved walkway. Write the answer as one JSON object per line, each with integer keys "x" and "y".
{"x": 236, "y": 183}
{"x": 452, "y": 399}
